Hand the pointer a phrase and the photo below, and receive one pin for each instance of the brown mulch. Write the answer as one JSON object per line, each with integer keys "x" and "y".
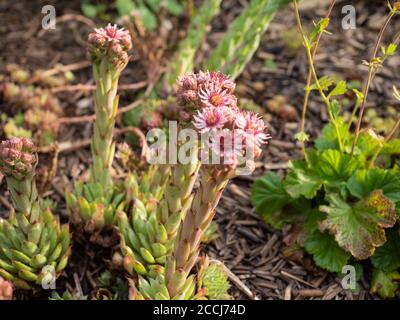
{"x": 254, "y": 252}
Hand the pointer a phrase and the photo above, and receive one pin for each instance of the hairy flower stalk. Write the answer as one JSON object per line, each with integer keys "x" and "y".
{"x": 97, "y": 202}
{"x": 108, "y": 50}
{"x": 235, "y": 138}
{"x": 6, "y": 290}
{"x": 32, "y": 237}
{"x": 208, "y": 105}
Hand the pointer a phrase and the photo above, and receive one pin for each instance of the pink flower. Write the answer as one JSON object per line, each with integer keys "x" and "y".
{"x": 213, "y": 96}
{"x": 113, "y": 33}
{"x": 253, "y": 127}
{"x": 211, "y": 118}
{"x": 221, "y": 80}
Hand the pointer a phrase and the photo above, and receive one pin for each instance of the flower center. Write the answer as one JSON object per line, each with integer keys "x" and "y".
{"x": 217, "y": 100}
{"x": 212, "y": 119}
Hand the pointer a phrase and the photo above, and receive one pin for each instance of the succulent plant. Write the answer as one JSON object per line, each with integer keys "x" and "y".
{"x": 32, "y": 241}
{"x": 161, "y": 245}
{"x": 96, "y": 202}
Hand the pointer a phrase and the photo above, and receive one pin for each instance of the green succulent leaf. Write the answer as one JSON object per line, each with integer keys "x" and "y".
{"x": 359, "y": 228}
{"x": 363, "y": 182}
{"x": 383, "y": 283}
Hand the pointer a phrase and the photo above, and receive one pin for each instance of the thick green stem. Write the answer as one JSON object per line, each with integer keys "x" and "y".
{"x": 24, "y": 195}
{"x": 106, "y": 105}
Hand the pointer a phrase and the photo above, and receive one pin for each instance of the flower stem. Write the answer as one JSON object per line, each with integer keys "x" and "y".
{"x": 309, "y": 78}
{"x": 371, "y": 71}
{"x": 325, "y": 99}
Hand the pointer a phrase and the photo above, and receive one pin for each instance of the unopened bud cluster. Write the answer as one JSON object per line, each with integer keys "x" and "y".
{"x": 112, "y": 43}
{"x": 16, "y": 156}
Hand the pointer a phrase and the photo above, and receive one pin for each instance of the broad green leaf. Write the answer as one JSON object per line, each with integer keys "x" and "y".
{"x": 359, "y": 228}
{"x": 340, "y": 89}
{"x": 268, "y": 195}
{"x": 363, "y": 182}
{"x": 328, "y": 139}
{"x": 387, "y": 257}
{"x": 335, "y": 169}
{"x": 301, "y": 181}
{"x": 367, "y": 143}
{"x": 326, "y": 252}
{"x": 391, "y": 147}
{"x": 383, "y": 283}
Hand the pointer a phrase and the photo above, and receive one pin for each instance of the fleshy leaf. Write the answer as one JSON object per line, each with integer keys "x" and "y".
{"x": 301, "y": 181}
{"x": 326, "y": 252}
{"x": 363, "y": 182}
{"x": 387, "y": 257}
{"x": 383, "y": 283}
{"x": 359, "y": 229}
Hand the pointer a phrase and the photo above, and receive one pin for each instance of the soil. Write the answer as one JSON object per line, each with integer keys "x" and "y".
{"x": 256, "y": 254}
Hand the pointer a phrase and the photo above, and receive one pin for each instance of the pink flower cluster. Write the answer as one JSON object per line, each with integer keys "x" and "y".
{"x": 16, "y": 156}
{"x": 233, "y": 133}
{"x": 111, "y": 42}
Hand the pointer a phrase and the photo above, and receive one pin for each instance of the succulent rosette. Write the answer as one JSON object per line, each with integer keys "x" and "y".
{"x": 33, "y": 244}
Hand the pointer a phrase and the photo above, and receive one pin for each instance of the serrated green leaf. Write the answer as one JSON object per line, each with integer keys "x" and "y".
{"x": 328, "y": 139}
{"x": 391, "y": 147}
{"x": 268, "y": 195}
{"x": 319, "y": 27}
{"x": 387, "y": 257}
{"x": 359, "y": 228}
{"x": 326, "y": 252}
{"x": 340, "y": 88}
{"x": 301, "y": 181}
{"x": 325, "y": 82}
{"x": 302, "y": 136}
{"x": 335, "y": 167}
{"x": 363, "y": 182}
{"x": 383, "y": 284}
